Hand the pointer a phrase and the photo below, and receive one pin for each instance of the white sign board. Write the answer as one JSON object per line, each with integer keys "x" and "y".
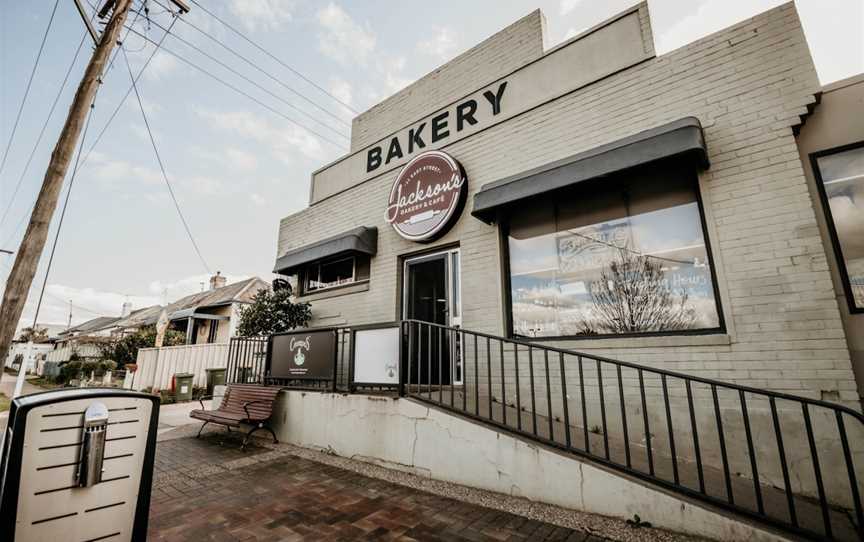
{"x": 376, "y": 356}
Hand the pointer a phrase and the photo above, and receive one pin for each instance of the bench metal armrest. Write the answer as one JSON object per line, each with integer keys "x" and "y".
{"x": 247, "y": 403}
{"x": 201, "y": 400}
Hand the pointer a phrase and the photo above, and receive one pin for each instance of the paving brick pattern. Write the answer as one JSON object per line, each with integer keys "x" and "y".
{"x": 199, "y": 496}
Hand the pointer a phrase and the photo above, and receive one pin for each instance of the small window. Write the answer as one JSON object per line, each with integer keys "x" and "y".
{"x": 840, "y": 176}
{"x": 334, "y": 273}
{"x": 618, "y": 256}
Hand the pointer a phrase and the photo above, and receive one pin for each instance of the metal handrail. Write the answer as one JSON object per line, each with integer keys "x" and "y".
{"x": 418, "y": 381}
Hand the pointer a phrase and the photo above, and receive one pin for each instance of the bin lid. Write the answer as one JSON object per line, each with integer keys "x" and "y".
{"x": 211, "y": 369}
{"x": 184, "y": 375}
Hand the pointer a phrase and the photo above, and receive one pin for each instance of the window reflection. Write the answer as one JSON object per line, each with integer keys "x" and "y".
{"x": 843, "y": 178}
{"x": 617, "y": 257}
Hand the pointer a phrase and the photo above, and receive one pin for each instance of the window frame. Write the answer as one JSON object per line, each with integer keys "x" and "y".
{"x": 317, "y": 265}
{"x": 504, "y": 245}
{"x": 829, "y": 220}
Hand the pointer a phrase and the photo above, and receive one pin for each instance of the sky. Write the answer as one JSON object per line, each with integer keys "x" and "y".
{"x": 237, "y": 165}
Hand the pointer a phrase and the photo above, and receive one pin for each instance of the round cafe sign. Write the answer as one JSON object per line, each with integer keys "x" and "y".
{"x": 427, "y": 197}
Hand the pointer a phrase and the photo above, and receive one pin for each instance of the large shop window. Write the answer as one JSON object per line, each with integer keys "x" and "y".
{"x": 615, "y": 256}
{"x": 840, "y": 173}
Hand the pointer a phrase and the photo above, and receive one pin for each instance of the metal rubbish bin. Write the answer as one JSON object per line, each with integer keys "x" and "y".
{"x": 215, "y": 377}
{"x": 183, "y": 386}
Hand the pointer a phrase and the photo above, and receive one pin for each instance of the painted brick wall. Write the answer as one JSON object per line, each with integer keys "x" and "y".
{"x": 502, "y": 53}
{"x": 748, "y": 85}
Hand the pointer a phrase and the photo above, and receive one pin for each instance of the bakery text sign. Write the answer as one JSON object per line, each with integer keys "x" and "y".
{"x": 449, "y": 122}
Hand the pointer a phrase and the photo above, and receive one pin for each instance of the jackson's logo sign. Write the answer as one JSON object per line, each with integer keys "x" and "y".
{"x": 299, "y": 346}
{"x": 427, "y": 197}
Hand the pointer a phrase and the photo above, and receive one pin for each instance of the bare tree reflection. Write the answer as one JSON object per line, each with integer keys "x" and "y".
{"x": 633, "y": 295}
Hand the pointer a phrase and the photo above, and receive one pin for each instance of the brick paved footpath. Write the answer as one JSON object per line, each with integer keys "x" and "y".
{"x": 206, "y": 491}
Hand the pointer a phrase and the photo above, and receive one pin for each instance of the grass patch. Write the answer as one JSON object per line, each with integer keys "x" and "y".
{"x": 4, "y": 403}
{"x": 44, "y": 383}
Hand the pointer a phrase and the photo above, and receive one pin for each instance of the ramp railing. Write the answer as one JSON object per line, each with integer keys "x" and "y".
{"x": 788, "y": 461}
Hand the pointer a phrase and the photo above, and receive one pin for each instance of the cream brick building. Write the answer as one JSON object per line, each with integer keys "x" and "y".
{"x": 556, "y": 196}
{"x": 749, "y": 86}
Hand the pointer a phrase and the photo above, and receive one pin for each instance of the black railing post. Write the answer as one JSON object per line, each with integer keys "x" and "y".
{"x": 817, "y": 472}
{"x": 757, "y": 488}
{"x": 722, "y": 439}
{"x": 533, "y": 391}
{"x": 603, "y": 410}
{"x": 671, "y": 431}
{"x": 645, "y": 422}
{"x": 850, "y": 469}
{"x": 503, "y": 388}
{"x": 565, "y": 400}
{"x": 695, "y": 431}
{"x": 488, "y": 376}
{"x": 584, "y": 409}
{"x": 623, "y": 417}
{"x": 548, "y": 395}
{"x": 784, "y": 467}
{"x": 402, "y": 346}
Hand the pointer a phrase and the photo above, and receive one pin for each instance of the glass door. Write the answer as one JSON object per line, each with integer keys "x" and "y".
{"x": 432, "y": 293}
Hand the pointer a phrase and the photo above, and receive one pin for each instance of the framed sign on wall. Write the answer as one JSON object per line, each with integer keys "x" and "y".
{"x": 375, "y": 355}
{"x": 302, "y": 355}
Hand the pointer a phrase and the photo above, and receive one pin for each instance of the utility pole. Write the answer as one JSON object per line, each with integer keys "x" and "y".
{"x": 27, "y": 259}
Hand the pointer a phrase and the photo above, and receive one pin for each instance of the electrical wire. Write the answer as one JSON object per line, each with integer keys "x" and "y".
{"x": 23, "y": 219}
{"x": 179, "y": 57}
{"x": 161, "y": 164}
{"x": 63, "y": 211}
{"x": 274, "y": 57}
{"x": 44, "y": 127}
{"x": 260, "y": 69}
{"x": 253, "y": 83}
{"x": 27, "y": 89}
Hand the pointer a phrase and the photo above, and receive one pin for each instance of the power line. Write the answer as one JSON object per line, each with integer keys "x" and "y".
{"x": 179, "y": 57}
{"x": 63, "y": 211}
{"x": 107, "y": 123}
{"x": 159, "y": 160}
{"x": 262, "y": 70}
{"x": 251, "y": 82}
{"x": 268, "y": 53}
{"x": 44, "y": 127}
{"x": 27, "y": 89}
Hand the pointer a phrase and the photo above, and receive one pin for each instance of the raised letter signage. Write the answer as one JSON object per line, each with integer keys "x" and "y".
{"x": 427, "y": 197}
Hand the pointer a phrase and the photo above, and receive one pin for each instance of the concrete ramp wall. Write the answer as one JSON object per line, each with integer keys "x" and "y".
{"x": 407, "y": 435}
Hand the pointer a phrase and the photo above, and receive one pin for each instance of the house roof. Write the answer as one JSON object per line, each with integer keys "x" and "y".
{"x": 100, "y": 322}
{"x": 238, "y": 292}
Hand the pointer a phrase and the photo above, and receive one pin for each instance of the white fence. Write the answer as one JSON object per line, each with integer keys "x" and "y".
{"x": 65, "y": 352}
{"x": 157, "y": 366}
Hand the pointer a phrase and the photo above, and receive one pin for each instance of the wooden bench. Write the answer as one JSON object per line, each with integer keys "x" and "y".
{"x": 249, "y": 404}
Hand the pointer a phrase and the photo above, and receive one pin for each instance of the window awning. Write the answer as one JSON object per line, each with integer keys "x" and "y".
{"x": 360, "y": 240}
{"x": 190, "y": 313}
{"x": 681, "y": 138}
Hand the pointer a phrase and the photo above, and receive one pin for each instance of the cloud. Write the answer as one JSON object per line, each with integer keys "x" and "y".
{"x": 283, "y": 142}
{"x": 393, "y": 77}
{"x": 342, "y": 38}
{"x": 240, "y": 159}
{"x": 112, "y": 171}
{"x": 342, "y": 90}
{"x": 262, "y": 14}
{"x": 161, "y": 66}
{"x": 87, "y": 303}
{"x": 177, "y": 288}
{"x": 258, "y": 199}
{"x": 566, "y": 6}
{"x": 441, "y": 45}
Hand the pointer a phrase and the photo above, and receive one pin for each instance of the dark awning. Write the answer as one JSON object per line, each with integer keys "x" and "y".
{"x": 679, "y": 138}
{"x": 191, "y": 313}
{"x": 359, "y": 240}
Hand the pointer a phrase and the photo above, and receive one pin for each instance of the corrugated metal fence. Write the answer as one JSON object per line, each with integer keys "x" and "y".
{"x": 157, "y": 366}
